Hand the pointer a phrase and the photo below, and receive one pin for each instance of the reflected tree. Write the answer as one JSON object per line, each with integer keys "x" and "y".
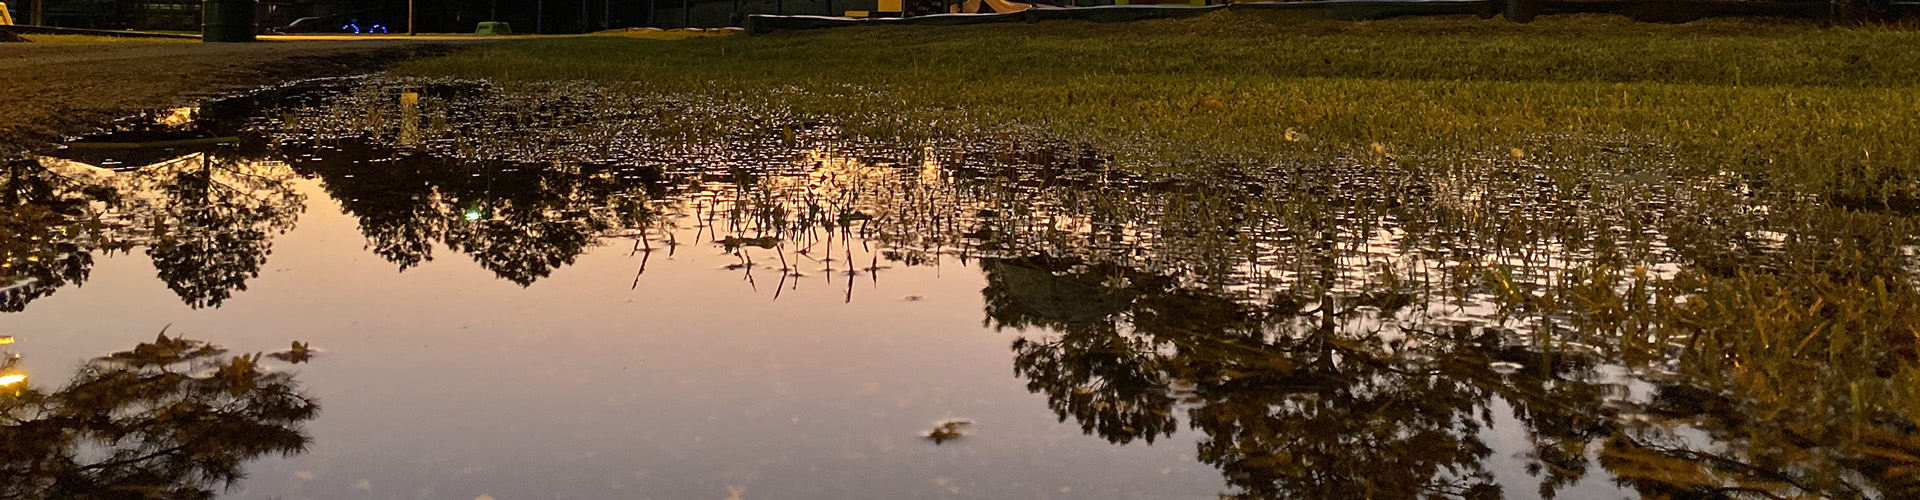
{"x": 214, "y": 220}
{"x": 1338, "y": 397}
{"x": 520, "y": 221}
{"x": 1287, "y": 408}
{"x": 1355, "y": 333}
{"x": 170, "y": 419}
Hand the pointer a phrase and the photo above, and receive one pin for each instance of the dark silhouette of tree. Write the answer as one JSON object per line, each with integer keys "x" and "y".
{"x": 216, "y": 218}
{"x": 1289, "y": 408}
{"x": 394, "y": 201}
{"x": 521, "y": 221}
{"x": 171, "y": 419}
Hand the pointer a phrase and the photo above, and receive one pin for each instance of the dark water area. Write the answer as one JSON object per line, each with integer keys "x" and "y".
{"x": 464, "y": 291}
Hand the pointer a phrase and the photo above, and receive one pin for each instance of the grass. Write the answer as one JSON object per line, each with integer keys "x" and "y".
{"x": 1830, "y": 111}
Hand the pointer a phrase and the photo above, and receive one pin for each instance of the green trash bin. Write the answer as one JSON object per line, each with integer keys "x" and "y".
{"x": 493, "y": 28}
{"x": 227, "y": 21}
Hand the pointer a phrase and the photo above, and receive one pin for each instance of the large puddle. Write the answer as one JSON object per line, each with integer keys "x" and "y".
{"x": 559, "y": 292}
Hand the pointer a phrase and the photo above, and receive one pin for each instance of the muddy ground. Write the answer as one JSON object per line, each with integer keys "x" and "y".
{"x": 51, "y": 91}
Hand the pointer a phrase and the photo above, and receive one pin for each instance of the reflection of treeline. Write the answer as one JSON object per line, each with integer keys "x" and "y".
{"x": 1305, "y": 398}
{"x": 170, "y": 419}
{"x": 1332, "y": 328}
{"x": 521, "y": 221}
{"x": 206, "y": 220}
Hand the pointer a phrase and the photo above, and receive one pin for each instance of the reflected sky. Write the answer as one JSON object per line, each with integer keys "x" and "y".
{"x": 551, "y": 292}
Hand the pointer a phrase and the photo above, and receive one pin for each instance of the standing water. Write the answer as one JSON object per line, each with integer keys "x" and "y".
{"x": 464, "y": 291}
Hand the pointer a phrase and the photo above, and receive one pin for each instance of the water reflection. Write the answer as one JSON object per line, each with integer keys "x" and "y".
{"x": 169, "y": 419}
{"x": 206, "y": 221}
{"x": 1316, "y": 402}
{"x": 1324, "y": 327}
{"x": 49, "y": 220}
{"x": 210, "y": 222}
{"x": 520, "y": 221}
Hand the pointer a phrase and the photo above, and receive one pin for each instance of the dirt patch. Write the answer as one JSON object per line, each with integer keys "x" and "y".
{"x": 11, "y": 37}
{"x": 57, "y": 91}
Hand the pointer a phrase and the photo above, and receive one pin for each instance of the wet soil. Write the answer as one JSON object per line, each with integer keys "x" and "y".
{"x": 54, "y": 91}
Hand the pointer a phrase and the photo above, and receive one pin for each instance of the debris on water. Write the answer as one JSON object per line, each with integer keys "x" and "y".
{"x": 915, "y": 298}
{"x": 1505, "y": 367}
{"x": 735, "y": 242}
{"x": 951, "y": 429}
{"x": 301, "y": 352}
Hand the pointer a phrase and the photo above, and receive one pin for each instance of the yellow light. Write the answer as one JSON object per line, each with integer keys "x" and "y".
{"x": 177, "y": 116}
{"x": 10, "y": 379}
{"x": 6, "y": 339}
